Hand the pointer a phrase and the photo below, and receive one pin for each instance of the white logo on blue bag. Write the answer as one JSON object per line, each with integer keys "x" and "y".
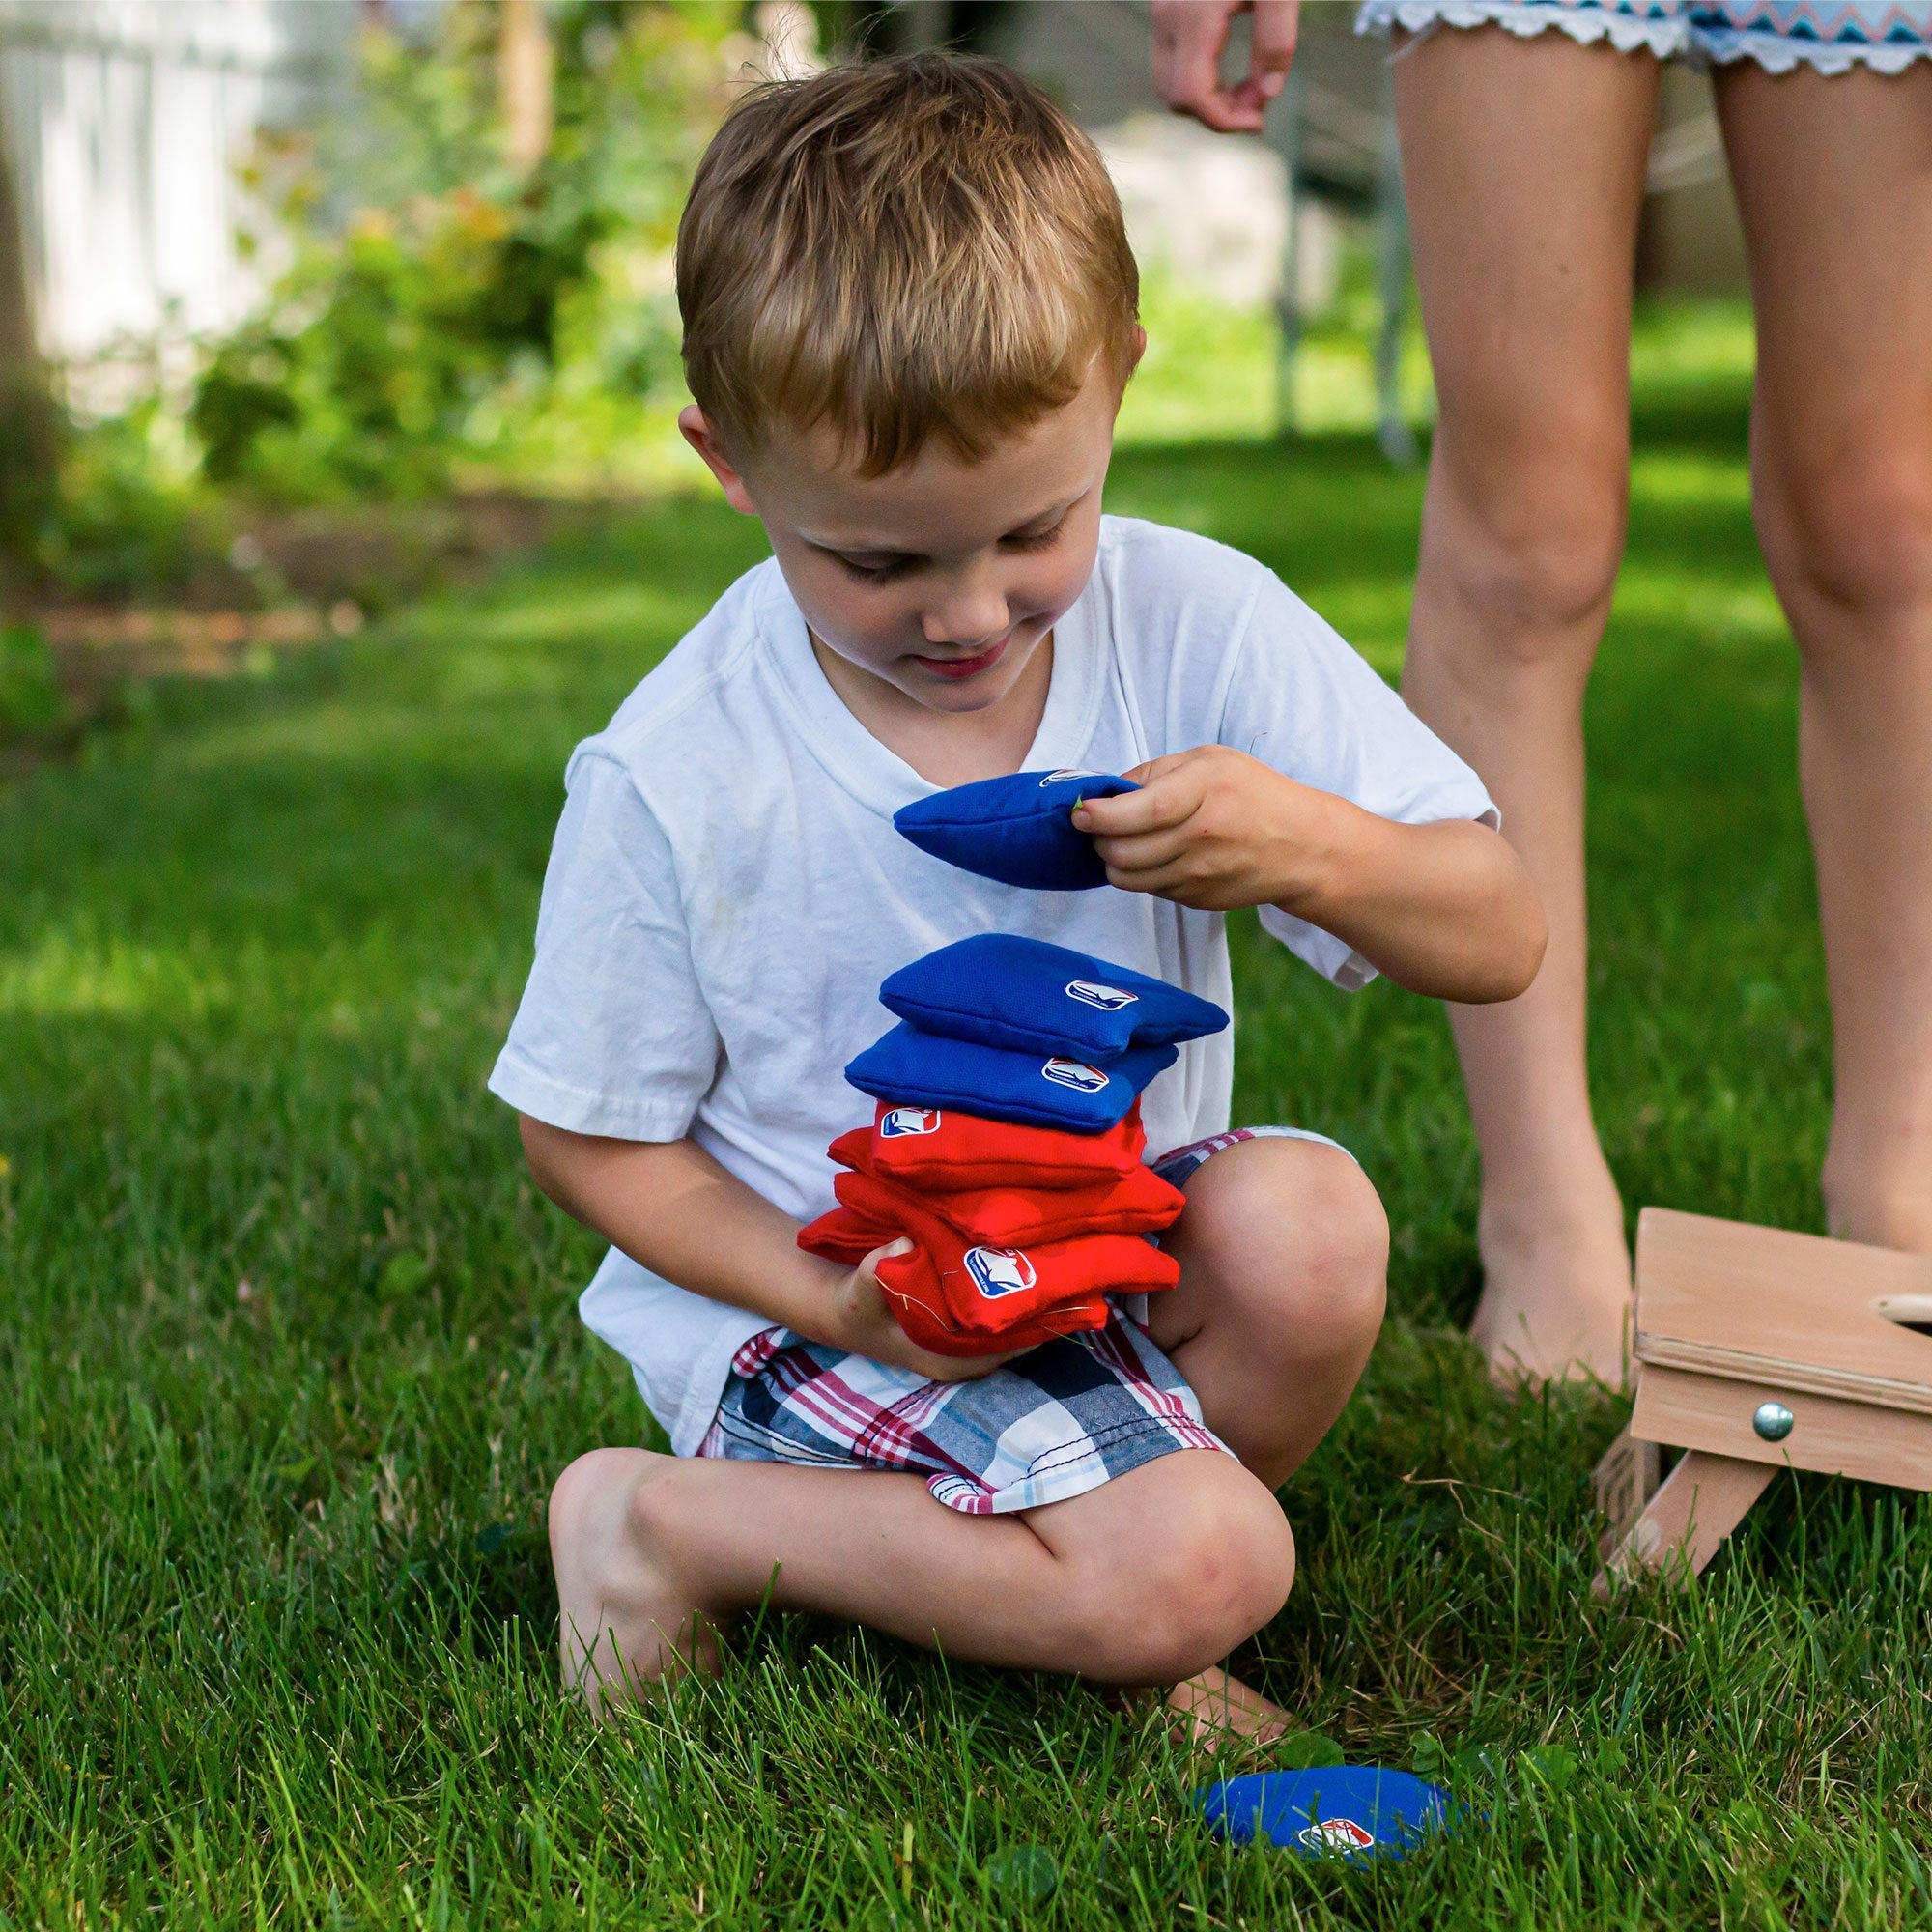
{"x": 1336, "y": 1835}
{"x": 1074, "y": 1073}
{"x": 1061, "y": 777}
{"x": 901, "y": 1120}
{"x": 1109, "y": 999}
{"x": 998, "y": 1272}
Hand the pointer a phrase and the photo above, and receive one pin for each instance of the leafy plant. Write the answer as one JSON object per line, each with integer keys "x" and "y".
{"x": 421, "y": 330}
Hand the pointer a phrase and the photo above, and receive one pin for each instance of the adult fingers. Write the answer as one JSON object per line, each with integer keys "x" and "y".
{"x": 1189, "y": 36}
{"x": 1277, "y": 27}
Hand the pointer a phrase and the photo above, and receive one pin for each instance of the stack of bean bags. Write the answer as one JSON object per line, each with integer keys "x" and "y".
{"x": 1007, "y": 1143}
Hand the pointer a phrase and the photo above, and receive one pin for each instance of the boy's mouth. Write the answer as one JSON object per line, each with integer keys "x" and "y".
{"x": 958, "y": 667}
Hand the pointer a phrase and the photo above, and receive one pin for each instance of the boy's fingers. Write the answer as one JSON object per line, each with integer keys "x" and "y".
{"x": 1143, "y": 851}
{"x": 1152, "y": 809}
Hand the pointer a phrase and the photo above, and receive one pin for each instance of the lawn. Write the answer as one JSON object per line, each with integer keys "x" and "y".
{"x": 290, "y": 1357}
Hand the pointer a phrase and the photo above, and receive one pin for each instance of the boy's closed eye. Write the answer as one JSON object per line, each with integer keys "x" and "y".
{"x": 883, "y": 566}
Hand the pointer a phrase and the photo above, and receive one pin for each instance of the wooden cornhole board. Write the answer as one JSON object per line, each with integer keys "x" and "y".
{"x": 1742, "y": 1332}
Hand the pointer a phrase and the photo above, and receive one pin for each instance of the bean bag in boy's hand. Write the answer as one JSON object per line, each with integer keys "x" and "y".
{"x": 912, "y": 1068}
{"x": 935, "y": 1151}
{"x": 1002, "y": 990}
{"x": 1140, "y": 1203}
{"x": 911, "y": 1285}
{"x": 991, "y": 1291}
{"x": 1018, "y": 830}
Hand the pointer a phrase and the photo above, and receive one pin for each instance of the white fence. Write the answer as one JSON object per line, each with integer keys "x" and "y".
{"x": 125, "y": 121}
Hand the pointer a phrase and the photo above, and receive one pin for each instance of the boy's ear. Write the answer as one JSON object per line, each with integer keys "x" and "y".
{"x": 702, "y": 438}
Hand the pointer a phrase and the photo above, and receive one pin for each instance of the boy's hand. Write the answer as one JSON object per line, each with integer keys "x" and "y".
{"x": 1213, "y": 829}
{"x": 862, "y": 1322}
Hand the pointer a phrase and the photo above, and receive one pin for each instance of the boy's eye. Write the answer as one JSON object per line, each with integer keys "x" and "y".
{"x": 876, "y": 570}
{"x": 1035, "y": 540}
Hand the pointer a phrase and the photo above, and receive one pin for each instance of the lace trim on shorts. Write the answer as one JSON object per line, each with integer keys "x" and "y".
{"x": 1832, "y": 36}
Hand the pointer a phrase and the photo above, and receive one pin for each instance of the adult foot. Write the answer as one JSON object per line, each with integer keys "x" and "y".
{"x": 624, "y": 1618}
{"x": 1221, "y": 1712}
{"x": 1556, "y": 1302}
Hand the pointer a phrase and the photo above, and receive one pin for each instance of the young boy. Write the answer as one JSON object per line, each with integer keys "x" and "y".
{"x": 910, "y": 311}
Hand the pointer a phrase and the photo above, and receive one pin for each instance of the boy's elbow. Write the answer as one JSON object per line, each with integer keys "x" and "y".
{"x": 1530, "y": 949}
{"x": 1514, "y": 969}
{"x": 543, "y": 1150}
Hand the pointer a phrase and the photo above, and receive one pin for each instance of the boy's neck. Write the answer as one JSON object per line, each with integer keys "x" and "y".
{"x": 947, "y": 748}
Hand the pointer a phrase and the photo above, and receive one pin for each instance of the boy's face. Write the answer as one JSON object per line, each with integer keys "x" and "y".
{"x": 942, "y": 578}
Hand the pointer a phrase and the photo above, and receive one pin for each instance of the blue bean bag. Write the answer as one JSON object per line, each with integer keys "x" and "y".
{"x": 912, "y": 1068}
{"x": 1002, "y": 990}
{"x": 1356, "y": 1812}
{"x": 1018, "y": 829}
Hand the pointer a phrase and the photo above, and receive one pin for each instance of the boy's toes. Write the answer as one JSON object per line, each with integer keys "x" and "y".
{"x": 1213, "y": 1709}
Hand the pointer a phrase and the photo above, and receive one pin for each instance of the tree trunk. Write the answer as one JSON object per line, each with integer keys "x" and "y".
{"x": 524, "y": 75}
{"x": 29, "y": 445}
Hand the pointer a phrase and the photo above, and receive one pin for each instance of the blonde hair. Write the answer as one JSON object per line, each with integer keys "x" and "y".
{"x": 909, "y": 249}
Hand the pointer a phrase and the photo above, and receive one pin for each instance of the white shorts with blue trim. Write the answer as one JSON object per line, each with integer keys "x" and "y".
{"x": 1832, "y": 36}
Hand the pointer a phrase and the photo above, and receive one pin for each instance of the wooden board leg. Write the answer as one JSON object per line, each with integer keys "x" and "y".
{"x": 1701, "y": 1502}
{"x": 1626, "y": 1479}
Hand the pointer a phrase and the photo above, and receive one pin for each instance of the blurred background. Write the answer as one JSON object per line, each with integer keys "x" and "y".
{"x": 309, "y": 305}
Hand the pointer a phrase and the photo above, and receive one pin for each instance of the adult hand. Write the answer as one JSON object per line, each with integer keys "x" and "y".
{"x": 1188, "y": 38}
{"x": 862, "y": 1322}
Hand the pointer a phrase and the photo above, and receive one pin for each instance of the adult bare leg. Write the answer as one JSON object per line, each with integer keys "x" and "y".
{"x": 1524, "y": 166}
{"x": 1835, "y": 182}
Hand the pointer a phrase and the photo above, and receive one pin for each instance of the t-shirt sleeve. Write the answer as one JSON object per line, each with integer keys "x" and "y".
{"x": 613, "y": 1035}
{"x": 1303, "y": 701}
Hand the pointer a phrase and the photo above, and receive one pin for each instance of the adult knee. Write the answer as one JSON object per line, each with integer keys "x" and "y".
{"x": 1848, "y": 525}
{"x": 1221, "y": 1568}
{"x": 1525, "y": 547}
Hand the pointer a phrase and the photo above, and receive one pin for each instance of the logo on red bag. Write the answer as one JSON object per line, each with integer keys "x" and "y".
{"x": 1336, "y": 1835}
{"x": 902, "y": 1120}
{"x": 1109, "y": 999}
{"x": 998, "y": 1272}
{"x": 1074, "y": 1073}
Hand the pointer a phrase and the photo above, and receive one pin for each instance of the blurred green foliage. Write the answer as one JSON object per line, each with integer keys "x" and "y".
{"x": 434, "y": 296}
{"x": 30, "y": 697}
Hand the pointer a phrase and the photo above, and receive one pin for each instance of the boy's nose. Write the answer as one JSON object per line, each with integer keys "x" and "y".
{"x": 972, "y": 614}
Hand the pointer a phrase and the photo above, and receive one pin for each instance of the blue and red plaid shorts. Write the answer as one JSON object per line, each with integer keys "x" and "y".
{"x": 1058, "y": 1421}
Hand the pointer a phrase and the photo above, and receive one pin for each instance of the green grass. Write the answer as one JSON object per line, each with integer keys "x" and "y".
{"x": 288, "y": 1355}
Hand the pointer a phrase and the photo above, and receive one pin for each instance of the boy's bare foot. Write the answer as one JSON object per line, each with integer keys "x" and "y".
{"x": 624, "y": 1619}
{"x": 1221, "y": 1712}
{"x": 1557, "y": 1302}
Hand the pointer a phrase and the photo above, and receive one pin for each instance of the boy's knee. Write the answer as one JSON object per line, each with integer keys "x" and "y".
{"x": 1215, "y": 1568}
{"x": 1300, "y": 1230}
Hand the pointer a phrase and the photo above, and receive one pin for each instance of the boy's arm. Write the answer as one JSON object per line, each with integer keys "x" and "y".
{"x": 1444, "y": 908}
{"x": 671, "y": 1206}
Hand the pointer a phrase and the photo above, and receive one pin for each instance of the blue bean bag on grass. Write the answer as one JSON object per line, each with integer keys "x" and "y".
{"x": 1357, "y": 1811}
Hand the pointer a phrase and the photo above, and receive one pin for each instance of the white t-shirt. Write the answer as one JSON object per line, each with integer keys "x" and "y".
{"x": 726, "y": 891}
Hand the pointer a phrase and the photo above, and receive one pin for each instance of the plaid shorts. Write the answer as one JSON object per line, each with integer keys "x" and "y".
{"x": 1054, "y": 1423}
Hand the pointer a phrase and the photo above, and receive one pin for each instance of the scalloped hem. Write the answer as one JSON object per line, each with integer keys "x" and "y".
{"x": 1525, "y": 19}
{"x": 1667, "y": 39}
